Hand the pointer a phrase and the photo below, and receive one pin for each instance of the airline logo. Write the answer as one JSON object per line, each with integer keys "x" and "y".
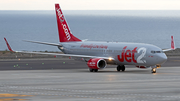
{"x": 63, "y": 23}
{"x": 129, "y": 55}
{"x": 142, "y": 55}
{"x": 93, "y": 46}
{"x": 92, "y": 63}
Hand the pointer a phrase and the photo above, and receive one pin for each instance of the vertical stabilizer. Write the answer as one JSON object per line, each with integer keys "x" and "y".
{"x": 65, "y": 34}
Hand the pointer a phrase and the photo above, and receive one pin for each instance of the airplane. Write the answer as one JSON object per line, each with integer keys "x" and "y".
{"x": 99, "y": 54}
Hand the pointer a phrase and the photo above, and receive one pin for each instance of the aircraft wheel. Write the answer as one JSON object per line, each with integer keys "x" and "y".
{"x": 91, "y": 70}
{"x": 118, "y": 68}
{"x": 123, "y": 68}
{"x": 95, "y": 70}
{"x": 153, "y": 70}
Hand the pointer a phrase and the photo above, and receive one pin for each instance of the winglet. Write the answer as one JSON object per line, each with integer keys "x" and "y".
{"x": 172, "y": 43}
{"x": 8, "y": 45}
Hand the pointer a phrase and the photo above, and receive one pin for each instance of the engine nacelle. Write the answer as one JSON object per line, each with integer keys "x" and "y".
{"x": 96, "y": 63}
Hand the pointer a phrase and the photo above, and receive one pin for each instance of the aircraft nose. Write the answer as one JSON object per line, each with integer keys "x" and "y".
{"x": 162, "y": 58}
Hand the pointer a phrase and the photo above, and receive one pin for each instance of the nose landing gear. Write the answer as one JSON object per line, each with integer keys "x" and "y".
{"x": 153, "y": 70}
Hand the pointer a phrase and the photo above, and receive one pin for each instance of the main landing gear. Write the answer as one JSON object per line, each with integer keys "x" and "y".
{"x": 120, "y": 68}
{"x": 93, "y": 70}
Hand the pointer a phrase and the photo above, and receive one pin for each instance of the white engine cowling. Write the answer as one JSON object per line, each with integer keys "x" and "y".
{"x": 96, "y": 63}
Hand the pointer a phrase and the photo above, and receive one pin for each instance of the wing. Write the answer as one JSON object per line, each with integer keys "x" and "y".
{"x": 46, "y": 43}
{"x": 172, "y": 45}
{"x": 57, "y": 54}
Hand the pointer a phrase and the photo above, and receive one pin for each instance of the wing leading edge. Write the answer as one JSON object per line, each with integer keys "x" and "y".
{"x": 57, "y": 54}
{"x": 46, "y": 43}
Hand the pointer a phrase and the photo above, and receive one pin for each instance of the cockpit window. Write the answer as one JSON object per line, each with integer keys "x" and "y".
{"x": 157, "y": 52}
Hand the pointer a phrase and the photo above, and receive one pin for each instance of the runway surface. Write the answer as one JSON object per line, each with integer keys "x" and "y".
{"x": 68, "y": 80}
{"x": 59, "y": 63}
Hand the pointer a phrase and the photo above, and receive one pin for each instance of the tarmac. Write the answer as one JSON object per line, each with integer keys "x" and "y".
{"x": 69, "y": 80}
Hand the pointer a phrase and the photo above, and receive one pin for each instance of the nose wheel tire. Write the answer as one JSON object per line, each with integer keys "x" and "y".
{"x": 153, "y": 70}
{"x": 120, "y": 68}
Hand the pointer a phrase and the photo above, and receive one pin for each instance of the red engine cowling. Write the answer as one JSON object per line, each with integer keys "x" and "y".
{"x": 96, "y": 63}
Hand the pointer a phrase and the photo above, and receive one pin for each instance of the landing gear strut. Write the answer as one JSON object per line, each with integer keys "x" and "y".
{"x": 120, "y": 68}
{"x": 153, "y": 70}
{"x": 93, "y": 70}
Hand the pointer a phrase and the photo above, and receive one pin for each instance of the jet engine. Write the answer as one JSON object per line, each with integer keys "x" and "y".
{"x": 96, "y": 63}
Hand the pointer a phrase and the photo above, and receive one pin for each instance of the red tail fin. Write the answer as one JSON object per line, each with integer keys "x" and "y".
{"x": 65, "y": 34}
{"x": 172, "y": 43}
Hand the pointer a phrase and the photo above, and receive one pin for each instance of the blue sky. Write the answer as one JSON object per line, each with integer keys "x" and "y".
{"x": 90, "y": 4}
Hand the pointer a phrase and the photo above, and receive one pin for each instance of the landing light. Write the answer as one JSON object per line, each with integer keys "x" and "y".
{"x": 110, "y": 58}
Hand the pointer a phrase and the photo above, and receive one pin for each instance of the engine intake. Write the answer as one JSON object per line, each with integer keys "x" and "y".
{"x": 96, "y": 63}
